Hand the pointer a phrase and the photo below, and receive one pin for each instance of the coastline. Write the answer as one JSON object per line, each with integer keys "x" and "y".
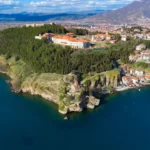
{"x": 8, "y": 81}
{"x": 70, "y": 94}
{"x": 63, "y": 90}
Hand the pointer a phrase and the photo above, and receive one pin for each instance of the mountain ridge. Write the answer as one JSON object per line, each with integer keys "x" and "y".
{"x": 24, "y": 16}
{"x": 129, "y": 13}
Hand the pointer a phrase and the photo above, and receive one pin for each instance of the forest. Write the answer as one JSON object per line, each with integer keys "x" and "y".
{"x": 48, "y": 57}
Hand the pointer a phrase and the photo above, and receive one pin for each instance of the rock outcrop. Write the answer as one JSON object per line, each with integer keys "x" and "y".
{"x": 64, "y": 90}
{"x": 73, "y": 96}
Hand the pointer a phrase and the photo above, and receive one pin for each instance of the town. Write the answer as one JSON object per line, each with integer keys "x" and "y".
{"x": 130, "y": 76}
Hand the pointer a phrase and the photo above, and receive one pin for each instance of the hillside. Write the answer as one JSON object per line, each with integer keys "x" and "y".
{"x": 129, "y": 13}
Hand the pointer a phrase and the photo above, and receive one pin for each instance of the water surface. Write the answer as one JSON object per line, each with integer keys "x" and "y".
{"x": 31, "y": 123}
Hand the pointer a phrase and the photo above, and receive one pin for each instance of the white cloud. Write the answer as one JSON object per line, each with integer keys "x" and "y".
{"x": 56, "y": 6}
{"x": 8, "y": 2}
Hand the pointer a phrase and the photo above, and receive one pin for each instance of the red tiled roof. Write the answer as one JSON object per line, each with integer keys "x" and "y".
{"x": 70, "y": 38}
{"x": 148, "y": 76}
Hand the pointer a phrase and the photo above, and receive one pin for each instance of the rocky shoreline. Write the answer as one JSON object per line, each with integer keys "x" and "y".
{"x": 64, "y": 90}
{"x": 79, "y": 101}
{"x": 70, "y": 92}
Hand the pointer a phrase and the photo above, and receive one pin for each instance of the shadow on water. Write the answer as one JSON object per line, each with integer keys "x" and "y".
{"x": 4, "y": 76}
{"x": 72, "y": 115}
{"x": 86, "y": 112}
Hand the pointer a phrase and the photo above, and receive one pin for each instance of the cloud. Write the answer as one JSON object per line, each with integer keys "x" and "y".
{"x": 8, "y": 2}
{"x": 56, "y": 6}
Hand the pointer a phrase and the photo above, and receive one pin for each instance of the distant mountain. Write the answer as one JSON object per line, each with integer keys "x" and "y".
{"x": 130, "y": 13}
{"x": 44, "y": 17}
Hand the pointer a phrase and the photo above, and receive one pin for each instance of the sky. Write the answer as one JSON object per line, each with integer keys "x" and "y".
{"x": 59, "y": 6}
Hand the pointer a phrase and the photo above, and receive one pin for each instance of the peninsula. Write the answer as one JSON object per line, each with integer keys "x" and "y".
{"x": 74, "y": 67}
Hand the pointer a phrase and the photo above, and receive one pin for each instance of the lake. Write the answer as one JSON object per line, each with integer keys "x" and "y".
{"x": 28, "y": 122}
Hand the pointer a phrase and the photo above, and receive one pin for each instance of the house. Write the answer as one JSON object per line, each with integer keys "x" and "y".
{"x": 145, "y": 52}
{"x": 30, "y": 25}
{"x": 132, "y": 71}
{"x": 136, "y": 72}
{"x": 130, "y": 81}
{"x": 39, "y": 25}
{"x": 45, "y": 35}
{"x": 130, "y": 84}
{"x": 125, "y": 80}
{"x": 145, "y": 55}
{"x": 39, "y": 37}
{"x": 113, "y": 41}
{"x": 139, "y": 73}
{"x": 141, "y": 78}
{"x": 148, "y": 37}
{"x": 147, "y": 77}
{"x": 134, "y": 80}
{"x": 102, "y": 37}
{"x": 146, "y": 58}
{"x": 137, "y": 30}
{"x": 140, "y": 47}
{"x": 139, "y": 36}
{"x": 132, "y": 58}
{"x": 34, "y": 25}
{"x": 123, "y": 37}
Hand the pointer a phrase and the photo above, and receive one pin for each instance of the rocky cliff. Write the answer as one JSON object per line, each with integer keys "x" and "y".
{"x": 64, "y": 90}
{"x": 71, "y": 92}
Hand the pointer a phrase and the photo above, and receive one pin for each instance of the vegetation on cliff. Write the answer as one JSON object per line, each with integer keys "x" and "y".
{"x": 64, "y": 90}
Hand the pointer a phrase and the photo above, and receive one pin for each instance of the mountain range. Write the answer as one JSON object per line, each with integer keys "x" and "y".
{"x": 51, "y": 17}
{"x": 128, "y": 14}
{"x": 136, "y": 10}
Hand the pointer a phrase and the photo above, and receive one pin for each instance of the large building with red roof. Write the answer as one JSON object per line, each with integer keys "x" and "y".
{"x": 67, "y": 40}
{"x": 70, "y": 41}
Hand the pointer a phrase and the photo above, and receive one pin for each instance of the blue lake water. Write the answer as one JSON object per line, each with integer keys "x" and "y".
{"x": 27, "y": 122}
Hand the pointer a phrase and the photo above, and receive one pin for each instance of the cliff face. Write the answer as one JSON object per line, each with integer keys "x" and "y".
{"x": 69, "y": 92}
{"x": 46, "y": 85}
{"x": 66, "y": 91}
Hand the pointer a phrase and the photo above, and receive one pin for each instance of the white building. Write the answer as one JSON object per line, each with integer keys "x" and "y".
{"x": 39, "y": 37}
{"x": 125, "y": 80}
{"x": 34, "y": 25}
{"x": 139, "y": 73}
{"x": 123, "y": 38}
{"x": 30, "y": 25}
{"x": 136, "y": 72}
{"x": 146, "y": 58}
{"x": 132, "y": 71}
{"x": 102, "y": 37}
{"x": 134, "y": 80}
{"x": 140, "y": 47}
{"x": 69, "y": 41}
{"x": 139, "y": 36}
{"x": 148, "y": 37}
